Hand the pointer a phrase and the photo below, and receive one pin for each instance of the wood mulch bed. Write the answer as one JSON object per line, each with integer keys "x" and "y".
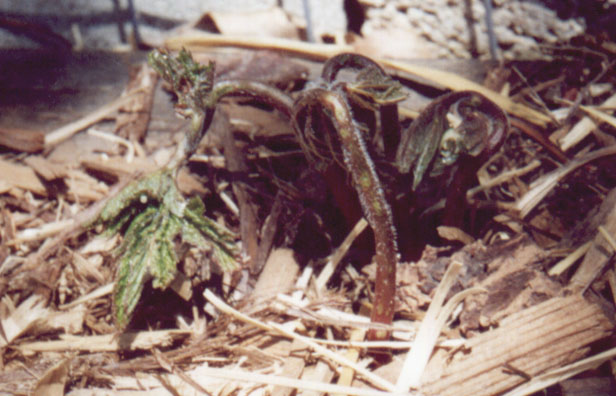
{"x": 520, "y": 300}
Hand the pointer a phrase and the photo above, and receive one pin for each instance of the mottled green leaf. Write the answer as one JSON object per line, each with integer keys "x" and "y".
{"x": 191, "y": 80}
{"x": 199, "y": 230}
{"x": 133, "y": 265}
{"x": 155, "y": 215}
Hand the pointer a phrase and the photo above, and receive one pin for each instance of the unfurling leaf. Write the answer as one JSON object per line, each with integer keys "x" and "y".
{"x": 156, "y": 216}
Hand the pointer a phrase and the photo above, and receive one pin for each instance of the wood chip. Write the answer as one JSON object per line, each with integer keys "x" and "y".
{"x": 601, "y": 251}
{"x": 22, "y": 177}
{"x": 26, "y": 140}
{"x": 45, "y": 168}
{"x": 53, "y": 381}
{"x": 134, "y": 117}
{"x": 525, "y": 344}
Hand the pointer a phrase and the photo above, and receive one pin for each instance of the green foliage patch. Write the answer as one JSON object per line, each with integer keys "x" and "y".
{"x": 155, "y": 217}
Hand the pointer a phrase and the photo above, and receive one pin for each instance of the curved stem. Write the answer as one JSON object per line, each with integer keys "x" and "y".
{"x": 201, "y": 119}
{"x": 256, "y": 90}
{"x": 347, "y": 60}
{"x": 372, "y": 199}
{"x": 374, "y": 90}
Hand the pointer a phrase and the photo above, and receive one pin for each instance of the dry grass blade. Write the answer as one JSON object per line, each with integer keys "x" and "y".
{"x": 130, "y": 148}
{"x": 199, "y": 40}
{"x": 502, "y": 178}
{"x": 542, "y": 186}
{"x": 568, "y": 261}
{"x": 553, "y": 377}
{"x": 608, "y": 237}
{"x": 99, "y": 292}
{"x": 600, "y": 115}
{"x": 238, "y": 375}
{"x": 583, "y": 127}
{"x": 273, "y": 327}
{"x": 108, "y": 342}
{"x": 344, "y": 247}
{"x": 428, "y": 333}
{"x": 42, "y": 232}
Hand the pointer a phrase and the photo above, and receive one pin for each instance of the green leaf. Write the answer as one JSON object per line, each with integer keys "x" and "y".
{"x": 156, "y": 214}
{"x": 150, "y": 187}
{"x": 199, "y": 230}
{"x": 191, "y": 81}
{"x": 133, "y": 266}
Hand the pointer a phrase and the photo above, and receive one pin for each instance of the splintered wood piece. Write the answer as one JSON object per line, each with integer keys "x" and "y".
{"x": 526, "y": 344}
{"x": 600, "y": 252}
{"x": 515, "y": 281}
{"x": 45, "y": 168}
{"x": 20, "y": 176}
{"x": 134, "y": 117}
{"x": 27, "y": 140}
{"x": 235, "y": 163}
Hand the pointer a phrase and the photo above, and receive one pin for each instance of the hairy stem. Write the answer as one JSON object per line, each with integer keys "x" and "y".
{"x": 199, "y": 95}
{"x": 347, "y": 61}
{"x": 372, "y": 198}
{"x": 373, "y": 89}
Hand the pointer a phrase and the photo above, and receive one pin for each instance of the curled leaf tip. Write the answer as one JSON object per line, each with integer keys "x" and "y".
{"x": 191, "y": 80}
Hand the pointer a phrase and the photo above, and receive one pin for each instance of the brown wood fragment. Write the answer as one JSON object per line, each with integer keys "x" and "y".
{"x": 83, "y": 187}
{"x": 53, "y": 381}
{"x": 597, "y": 386}
{"x": 114, "y": 168}
{"x": 45, "y": 168}
{"x": 21, "y": 176}
{"x": 278, "y": 275}
{"x": 600, "y": 253}
{"x": 134, "y": 117}
{"x": 189, "y": 184}
{"x": 249, "y": 223}
{"x": 268, "y": 232}
{"x": 27, "y": 140}
{"x": 526, "y": 343}
{"x": 515, "y": 281}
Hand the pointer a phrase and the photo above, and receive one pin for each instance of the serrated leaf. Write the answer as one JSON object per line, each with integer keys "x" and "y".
{"x": 156, "y": 213}
{"x": 132, "y": 269}
{"x": 164, "y": 263}
{"x": 150, "y": 187}
{"x": 199, "y": 230}
{"x": 191, "y": 80}
{"x": 148, "y": 251}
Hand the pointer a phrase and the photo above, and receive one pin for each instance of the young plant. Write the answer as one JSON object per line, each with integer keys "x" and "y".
{"x": 325, "y": 128}
{"x": 155, "y": 216}
{"x": 152, "y": 211}
{"x": 450, "y": 130}
{"x": 373, "y": 90}
{"x": 198, "y": 95}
